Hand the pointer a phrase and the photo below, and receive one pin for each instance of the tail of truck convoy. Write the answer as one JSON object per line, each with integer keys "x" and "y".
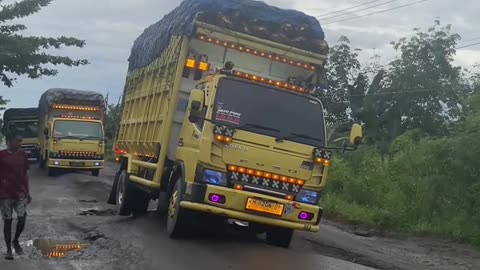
{"x": 71, "y": 130}
{"x": 219, "y": 119}
{"x": 23, "y": 122}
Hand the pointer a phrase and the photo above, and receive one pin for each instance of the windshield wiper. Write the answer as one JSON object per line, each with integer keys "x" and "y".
{"x": 257, "y": 126}
{"x": 296, "y": 135}
{"x": 68, "y": 137}
{"x": 90, "y": 137}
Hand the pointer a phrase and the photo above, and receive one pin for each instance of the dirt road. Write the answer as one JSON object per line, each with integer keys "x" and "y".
{"x": 70, "y": 210}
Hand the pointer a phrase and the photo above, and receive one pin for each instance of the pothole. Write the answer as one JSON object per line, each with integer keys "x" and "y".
{"x": 87, "y": 201}
{"x": 56, "y": 249}
{"x": 97, "y": 212}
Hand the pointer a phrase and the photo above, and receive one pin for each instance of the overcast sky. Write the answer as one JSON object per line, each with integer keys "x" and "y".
{"x": 110, "y": 27}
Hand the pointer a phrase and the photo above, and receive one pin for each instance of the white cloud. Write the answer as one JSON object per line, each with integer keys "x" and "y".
{"x": 111, "y": 26}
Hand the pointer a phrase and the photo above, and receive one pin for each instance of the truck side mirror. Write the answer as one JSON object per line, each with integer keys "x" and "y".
{"x": 356, "y": 134}
{"x": 197, "y": 101}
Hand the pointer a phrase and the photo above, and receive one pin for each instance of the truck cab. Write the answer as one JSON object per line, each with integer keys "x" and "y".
{"x": 74, "y": 144}
{"x": 24, "y": 122}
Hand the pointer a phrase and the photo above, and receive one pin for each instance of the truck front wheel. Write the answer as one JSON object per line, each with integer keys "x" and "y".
{"x": 178, "y": 218}
{"x": 96, "y": 172}
{"x": 279, "y": 237}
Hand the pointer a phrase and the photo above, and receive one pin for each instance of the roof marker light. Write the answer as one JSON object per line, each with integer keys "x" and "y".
{"x": 242, "y": 48}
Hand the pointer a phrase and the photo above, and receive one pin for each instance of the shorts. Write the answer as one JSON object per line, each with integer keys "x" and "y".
{"x": 7, "y": 206}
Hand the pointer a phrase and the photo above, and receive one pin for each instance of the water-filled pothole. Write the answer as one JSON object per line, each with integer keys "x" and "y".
{"x": 58, "y": 249}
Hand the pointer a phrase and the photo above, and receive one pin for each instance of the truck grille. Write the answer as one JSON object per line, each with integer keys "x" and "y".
{"x": 81, "y": 155}
{"x": 278, "y": 186}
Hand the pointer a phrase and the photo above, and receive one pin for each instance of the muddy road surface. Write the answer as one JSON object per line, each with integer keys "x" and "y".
{"x": 70, "y": 226}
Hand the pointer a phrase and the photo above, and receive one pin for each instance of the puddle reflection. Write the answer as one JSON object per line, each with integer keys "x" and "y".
{"x": 58, "y": 249}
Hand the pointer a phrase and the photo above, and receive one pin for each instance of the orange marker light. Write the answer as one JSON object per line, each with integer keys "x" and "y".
{"x": 238, "y": 187}
{"x": 300, "y": 182}
{"x": 275, "y": 177}
{"x": 232, "y": 168}
{"x": 284, "y": 179}
{"x": 203, "y": 66}
{"x": 268, "y": 175}
{"x": 289, "y": 197}
{"x": 190, "y": 63}
{"x": 326, "y": 163}
{"x": 228, "y": 139}
{"x": 219, "y": 138}
{"x": 241, "y": 170}
{"x": 258, "y": 173}
{"x": 292, "y": 181}
{"x": 250, "y": 172}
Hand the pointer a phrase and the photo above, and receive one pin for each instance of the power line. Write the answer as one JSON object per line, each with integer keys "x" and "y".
{"x": 377, "y": 12}
{"x": 393, "y": 93}
{"x": 340, "y": 10}
{"x": 355, "y": 11}
{"x": 468, "y": 40}
{"x": 469, "y": 45}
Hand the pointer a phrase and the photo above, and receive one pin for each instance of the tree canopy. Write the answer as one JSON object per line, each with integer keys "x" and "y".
{"x": 25, "y": 55}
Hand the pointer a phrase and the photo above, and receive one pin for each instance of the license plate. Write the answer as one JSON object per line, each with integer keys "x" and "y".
{"x": 77, "y": 164}
{"x": 262, "y": 206}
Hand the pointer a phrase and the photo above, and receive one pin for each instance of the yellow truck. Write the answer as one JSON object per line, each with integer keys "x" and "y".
{"x": 219, "y": 120}
{"x": 23, "y": 122}
{"x": 71, "y": 131}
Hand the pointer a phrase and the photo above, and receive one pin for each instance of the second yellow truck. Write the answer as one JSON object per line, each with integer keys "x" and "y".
{"x": 71, "y": 131}
{"x": 219, "y": 121}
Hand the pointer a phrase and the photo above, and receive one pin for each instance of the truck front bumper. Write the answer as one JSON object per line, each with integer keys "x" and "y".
{"x": 76, "y": 164}
{"x": 197, "y": 199}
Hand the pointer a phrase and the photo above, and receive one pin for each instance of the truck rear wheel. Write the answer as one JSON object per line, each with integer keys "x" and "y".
{"x": 279, "y": 237}
{"x": 130, "y": 200}
{"x": 178, "y": 218}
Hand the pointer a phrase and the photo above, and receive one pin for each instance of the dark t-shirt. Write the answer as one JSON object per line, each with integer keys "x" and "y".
{"x": 13, "y": 175}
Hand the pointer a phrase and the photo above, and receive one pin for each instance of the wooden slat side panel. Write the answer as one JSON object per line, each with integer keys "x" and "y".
{"x": 146, "y": 102}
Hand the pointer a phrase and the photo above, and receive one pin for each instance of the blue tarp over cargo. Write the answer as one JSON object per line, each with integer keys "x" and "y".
{"x": 255, "y": 18}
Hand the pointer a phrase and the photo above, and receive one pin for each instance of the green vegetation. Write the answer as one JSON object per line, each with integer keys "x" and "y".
{"x": 419, "y": 170}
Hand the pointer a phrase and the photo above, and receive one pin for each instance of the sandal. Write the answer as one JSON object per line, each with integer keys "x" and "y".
{"x": 18, "y": 248}
{"x": 9, "y": 256}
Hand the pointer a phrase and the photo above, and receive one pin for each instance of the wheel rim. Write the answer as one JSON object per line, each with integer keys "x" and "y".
{"x": 120, "y": 191}
{"x": 172, "y": 208}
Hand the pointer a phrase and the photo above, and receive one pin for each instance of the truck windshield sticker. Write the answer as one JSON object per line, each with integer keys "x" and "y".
{"x": 227, "y": 116}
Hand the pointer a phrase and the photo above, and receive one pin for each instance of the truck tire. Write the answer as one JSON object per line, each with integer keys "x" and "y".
{"x": 279, "y": 237}
{"x": 51, "y": 172}
{"x": 96, "y": 172}
{"x": 178, "y": 218}
{"x": 130, "y": 200}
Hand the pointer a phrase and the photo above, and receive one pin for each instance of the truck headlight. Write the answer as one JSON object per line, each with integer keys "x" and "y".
{"x": 214, "y": 178}
{"x": 308, "y": 196}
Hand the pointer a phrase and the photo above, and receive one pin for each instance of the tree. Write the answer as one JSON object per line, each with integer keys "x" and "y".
{"x": 343, "y": 70}
{"x": 423, "y": 85}
{"x": 112, "y": 118}
{"x": 24, "y": 55}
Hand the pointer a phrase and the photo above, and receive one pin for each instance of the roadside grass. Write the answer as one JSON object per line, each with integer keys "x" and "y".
{"x": 424, "y": 186}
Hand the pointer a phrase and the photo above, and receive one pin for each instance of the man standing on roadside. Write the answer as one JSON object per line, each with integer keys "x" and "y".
{"x": 14, "y": 191}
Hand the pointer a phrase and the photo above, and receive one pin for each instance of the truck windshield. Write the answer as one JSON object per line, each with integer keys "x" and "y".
{"x": 26, "y": 129}
{"x": 77, "y": 130}
{"x": 269, "y": 111}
